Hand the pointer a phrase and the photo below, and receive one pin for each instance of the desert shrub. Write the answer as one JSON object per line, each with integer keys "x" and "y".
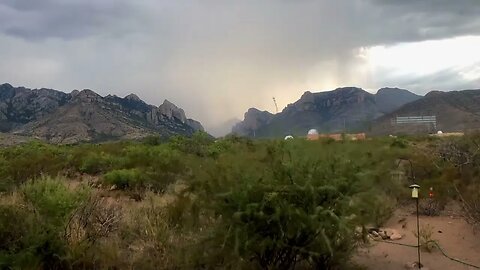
{"x": 155, "y": 241}
{"x": 96, "y": 162}
{"x": 219, "y": 147}
{"x": 377, "y": 208}
{"x": 31, "y": 160}
{"x": 470, "y": 201}
{"x": 162, "y": 157}
{"x": 87, "y": 228}
{"x": 154, "y": 140}
{"x": 51, "y": 198}
{"x": 399, "y": 142}
{"x": 430, "y": 207}
{"x": 298, "y": 209}
{"x": 155, "y": 167}
{"x": 124, "y": 178}
{"x": 14, "y": 226}
{"x": 460, "y": 173}
{"x": 34, "y": 226}
{"x": 426, "y": 240}
{"x": 197, "y": 144}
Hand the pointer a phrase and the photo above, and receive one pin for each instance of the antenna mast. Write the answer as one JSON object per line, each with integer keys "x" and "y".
{"x": 276, "y": 105}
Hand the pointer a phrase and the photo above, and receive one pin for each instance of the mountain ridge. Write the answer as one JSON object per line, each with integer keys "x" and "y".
{"x": 60, "y": 117}
{"x": 327, "y": 111}
{"x": 455, "y": 111}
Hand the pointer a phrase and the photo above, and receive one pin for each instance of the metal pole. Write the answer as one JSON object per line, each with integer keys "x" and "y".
{"x": 418, "y": 238}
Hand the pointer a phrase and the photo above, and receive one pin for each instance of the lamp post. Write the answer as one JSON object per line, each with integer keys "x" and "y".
{"x": 415, "y": 189}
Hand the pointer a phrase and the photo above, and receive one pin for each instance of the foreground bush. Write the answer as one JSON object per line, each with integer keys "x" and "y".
{"x": 125, "y": 178}
{"x": 297, "y": 211}
{"x": 34, "y": 226}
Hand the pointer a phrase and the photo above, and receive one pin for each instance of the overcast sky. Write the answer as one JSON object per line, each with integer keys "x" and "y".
{"x": 217, "y": 58}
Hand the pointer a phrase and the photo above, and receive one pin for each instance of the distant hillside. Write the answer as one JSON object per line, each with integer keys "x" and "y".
{"x": 84, "y": 115}
{"x": 389, "y": 99}
{"x": 455, "y": 111}
{"x": 343, "y": 109}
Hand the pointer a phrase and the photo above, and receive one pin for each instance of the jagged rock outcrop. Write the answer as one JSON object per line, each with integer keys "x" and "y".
{"x": 253, "y": 120}
{"x": 86, "y": 116}
{"x": 171, "y": 111}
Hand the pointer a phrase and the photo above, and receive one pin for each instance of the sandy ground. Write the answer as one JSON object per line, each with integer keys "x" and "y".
{"x": 455, "y": 236}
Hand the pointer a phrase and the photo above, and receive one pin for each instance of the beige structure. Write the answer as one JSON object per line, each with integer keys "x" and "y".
{"x": 337, "y": 136}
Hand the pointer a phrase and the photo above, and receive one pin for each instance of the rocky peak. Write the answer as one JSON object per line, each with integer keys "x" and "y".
{"x": 389, "y": 99}
{"x": 434, "y": 93}
{"x": 170, "y": 110}
{"x": 253, "y": 120}
{"x": 6, "y": 91}
{"x": 386, "y": 90}
{"x": 133, "y": 97}
{"x": 321, "y": 100}
{"x": 74, "y": 93}
{"x": 307, "y": 97}
{"x": 5, "y": 86}
{"x": 254, "y": 114}
{"x": 87, "y": 95}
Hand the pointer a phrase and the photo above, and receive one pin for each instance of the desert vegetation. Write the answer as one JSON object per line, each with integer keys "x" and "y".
{"x": 233, "y": 203}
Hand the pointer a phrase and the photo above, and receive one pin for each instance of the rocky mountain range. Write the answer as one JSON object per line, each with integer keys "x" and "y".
{"x": 343, "y": 109}
{"x": 60, "y": 117}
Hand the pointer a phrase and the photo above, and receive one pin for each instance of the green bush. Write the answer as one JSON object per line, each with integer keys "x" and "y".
{"x": 197, "y": 144}
{"x": 32, "y": 229}
{"x": 94, "y": 163}
{"x": 13, "y": 226}
{"x": 300, "y": 209}
{"x": 399, "y": 142}
{"x": 31, "y": 160}
{"x": 51, "y": 198}
{"x": 125, "y": 178}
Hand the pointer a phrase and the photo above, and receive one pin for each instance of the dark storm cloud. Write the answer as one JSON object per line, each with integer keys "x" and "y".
{"x": 412, "y": 20}
{"x": 216, "y": 58}
{"x": 34, "y": 19}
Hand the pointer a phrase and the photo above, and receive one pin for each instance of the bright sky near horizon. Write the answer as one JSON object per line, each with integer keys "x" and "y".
{"x": 217, "y": 58}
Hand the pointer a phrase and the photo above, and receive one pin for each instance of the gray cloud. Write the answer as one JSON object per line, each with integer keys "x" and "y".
{"x": 444, "y": 80}
{"x": 217, "y": 58}
{"x": 68, "y": 19}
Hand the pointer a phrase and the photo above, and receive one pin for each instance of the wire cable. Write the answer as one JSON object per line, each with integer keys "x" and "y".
{"x": 436, "y": 244}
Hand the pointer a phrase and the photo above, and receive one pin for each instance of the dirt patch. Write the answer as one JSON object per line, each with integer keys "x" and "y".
{"x": 452, "y": 232}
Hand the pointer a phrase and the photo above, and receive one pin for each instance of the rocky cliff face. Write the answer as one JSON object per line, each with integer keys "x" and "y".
{"x": 343, "y": 109}
{"x": 86, "y": 116}
{"x": 253, "y": 120}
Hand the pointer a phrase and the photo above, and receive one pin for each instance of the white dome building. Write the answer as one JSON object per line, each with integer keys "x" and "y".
{"x": 312, "y": 134}
{"x": 289, "y": 137}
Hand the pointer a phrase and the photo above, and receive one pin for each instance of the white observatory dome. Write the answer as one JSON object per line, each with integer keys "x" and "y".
{"x": 289, "y": 137}
{"x": 312, "y": 132}
{"x": 439, "y": 132}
